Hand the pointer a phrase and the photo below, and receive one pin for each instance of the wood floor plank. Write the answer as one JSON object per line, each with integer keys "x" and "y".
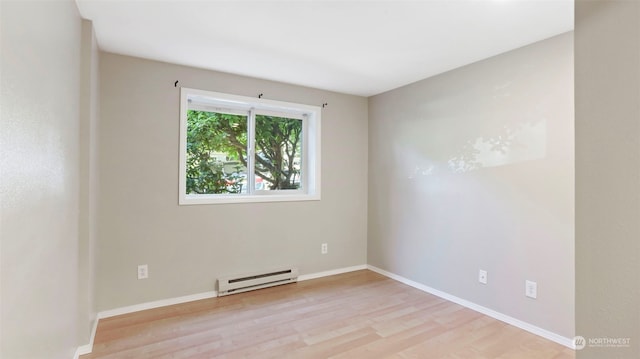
{"x": 353, "y": 315}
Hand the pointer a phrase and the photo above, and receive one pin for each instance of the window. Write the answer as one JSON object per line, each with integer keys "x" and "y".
{"x": 241, "y": 149}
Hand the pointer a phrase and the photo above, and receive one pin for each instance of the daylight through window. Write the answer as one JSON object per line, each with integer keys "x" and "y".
{"x": 239, "y": 149}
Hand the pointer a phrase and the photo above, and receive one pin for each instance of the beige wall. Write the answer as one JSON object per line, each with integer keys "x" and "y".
{"x": 607, "y": 74}
{"x": 89, "y": 113}
{"x": 473, "y": 169}
{"x": 188, "y": 247}
{"x": 504, "y": 213}
{"x": 40, "y": 179}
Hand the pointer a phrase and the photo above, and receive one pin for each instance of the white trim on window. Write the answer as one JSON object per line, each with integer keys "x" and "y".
{"x": 233, "y": 104}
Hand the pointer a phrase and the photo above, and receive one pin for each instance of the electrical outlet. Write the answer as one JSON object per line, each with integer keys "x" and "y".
{"x": 324, "y": 249}
{"x": 143, "y": 271}
{"x": 531, "y": 289}
{"x": 482, "y": 276}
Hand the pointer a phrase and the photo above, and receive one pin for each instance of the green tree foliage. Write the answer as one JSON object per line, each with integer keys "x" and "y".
{"x": 277, "y": 147}
{"x": 205, "y": 136}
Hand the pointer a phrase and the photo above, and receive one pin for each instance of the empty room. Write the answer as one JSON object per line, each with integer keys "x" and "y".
{"x": 320, "y": 179}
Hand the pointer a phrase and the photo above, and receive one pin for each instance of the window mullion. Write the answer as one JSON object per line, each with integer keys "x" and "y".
{"x": 227, "y": 119}
{"x": 251, "y": 145}
{"x": 304, "y": 157}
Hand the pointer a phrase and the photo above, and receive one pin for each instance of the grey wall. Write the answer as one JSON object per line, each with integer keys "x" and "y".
{"x": 40, "y": 179}
{"x": 188, "y": 247}
{"x": 473, "y": 169}
{"x": 89, "y": 114}
{"x": 607, "y": 74}
{"x": 436, "y": 191}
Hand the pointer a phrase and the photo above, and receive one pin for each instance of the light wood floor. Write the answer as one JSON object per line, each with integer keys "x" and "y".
{"x": 354, "y": 315}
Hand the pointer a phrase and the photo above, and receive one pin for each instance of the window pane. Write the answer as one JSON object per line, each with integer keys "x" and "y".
{"x": 278, "y": 152}
{"x": 216, "y": 153}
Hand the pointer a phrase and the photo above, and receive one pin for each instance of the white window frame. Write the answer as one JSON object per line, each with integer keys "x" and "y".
{"x": 216, "y": 101}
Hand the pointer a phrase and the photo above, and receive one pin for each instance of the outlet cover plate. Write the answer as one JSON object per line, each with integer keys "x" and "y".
{"x": 531, "y": 289}
{"x": 482, "y": 276}
{"x": 143, "y": 271}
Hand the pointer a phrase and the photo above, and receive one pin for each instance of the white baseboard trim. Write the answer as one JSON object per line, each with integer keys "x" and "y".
{"x": 478, "y": 308}
{"x": 331, "y": 272}
{"x": 88, "y": 348}
{"x": 206, "y": 295}
{"x": 156, "y": 304}
{"x": 82, "y": 350}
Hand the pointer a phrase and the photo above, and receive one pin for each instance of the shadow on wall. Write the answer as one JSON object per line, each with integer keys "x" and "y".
{"x": 500, "y": 131}
{"x": 506, "y": 145}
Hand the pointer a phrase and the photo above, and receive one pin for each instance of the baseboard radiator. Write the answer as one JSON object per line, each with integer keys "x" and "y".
{"x": 251, "y": 281}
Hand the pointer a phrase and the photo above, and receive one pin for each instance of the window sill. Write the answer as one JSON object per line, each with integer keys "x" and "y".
{"x": 222, "y": 199}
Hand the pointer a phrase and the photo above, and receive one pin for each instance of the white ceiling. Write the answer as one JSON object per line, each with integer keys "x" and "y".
{"x": 355, "y": 47}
